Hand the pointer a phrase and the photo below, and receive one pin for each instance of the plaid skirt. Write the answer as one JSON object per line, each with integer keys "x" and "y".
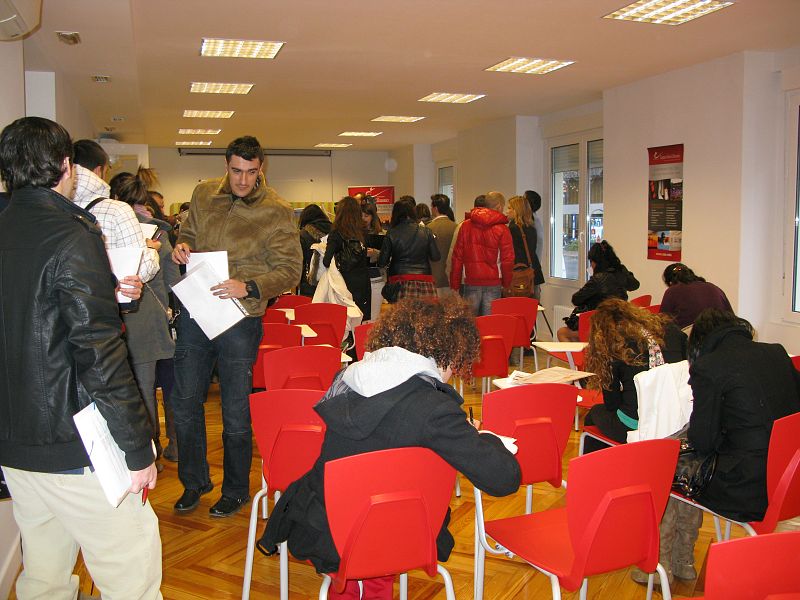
{"x": 416, "y": 289}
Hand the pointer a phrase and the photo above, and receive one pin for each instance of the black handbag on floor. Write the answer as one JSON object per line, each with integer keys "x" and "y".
{"x": 694, "y": 471}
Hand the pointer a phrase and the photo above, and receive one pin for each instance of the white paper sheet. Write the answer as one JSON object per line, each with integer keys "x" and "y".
{"x": 148, "y": 229}
{"x": 212, "y": 314}
{"x": 124, "y": 262}
{"x": 217, "y": 259}
{"x": 107, "y": 458}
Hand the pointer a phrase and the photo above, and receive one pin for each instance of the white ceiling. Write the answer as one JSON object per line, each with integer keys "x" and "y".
{"x": 347, "y": 61}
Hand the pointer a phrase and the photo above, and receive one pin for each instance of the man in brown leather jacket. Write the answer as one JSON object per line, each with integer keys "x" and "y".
{"x": 241, "y": 215}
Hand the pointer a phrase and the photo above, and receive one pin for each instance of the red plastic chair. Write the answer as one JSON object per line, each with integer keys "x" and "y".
{"x": 642, "y": 301}
{"x": 302, "y": 367}
{"x": 576, "y": 359}
{"x": 497, "y": 340}
{"x": 360, "y": 334}
{"x": 275, "y": 337}
{"x": 328, "y": 320}
{"x": 615, "y": 500}
{"x": 783, "y": 481}
{"x": 654, "y": 308}
{"x": 593, "y": 432}
{"x": 289, "y": 436}
{"x": 756, "y": 568}
{"x": 385, "y": 510}
{"x": 290, "y": 301}
{"x": 273, "y": 315}
{"x": 796, "y": 362}
{"x": 526, "y": 310}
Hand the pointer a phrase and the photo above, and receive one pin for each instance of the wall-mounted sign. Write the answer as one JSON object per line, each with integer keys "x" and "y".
{"x": 383, "y": 194}
{"x": 665, "y": 203}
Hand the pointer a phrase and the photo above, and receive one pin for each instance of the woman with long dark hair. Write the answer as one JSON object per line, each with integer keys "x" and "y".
{"x": 346, "y": 245}
{"x": 687, "y": 295}
{"x": 314, "y": 225}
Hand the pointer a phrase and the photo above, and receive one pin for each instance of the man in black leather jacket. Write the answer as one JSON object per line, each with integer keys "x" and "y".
{"x": 62, "y": 350}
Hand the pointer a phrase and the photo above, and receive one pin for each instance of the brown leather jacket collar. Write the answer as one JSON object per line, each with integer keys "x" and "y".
{"x": 257, "y": 193}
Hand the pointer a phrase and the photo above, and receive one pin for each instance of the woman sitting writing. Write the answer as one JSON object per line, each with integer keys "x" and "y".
{"x": 397, "y": 396}
{"x": 687, "y": 295}
{"x": 626, "y": 340}
{"x": 609, "y": 279}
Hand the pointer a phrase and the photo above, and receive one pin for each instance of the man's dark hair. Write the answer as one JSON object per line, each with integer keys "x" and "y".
{"x": 480, "y": 201}
{"x": 90, "y": 155}
{"x": 408, "y": 199}
{"x": 442, "y": 204}
{"x": 246, "y": 147}
{"x": 534, "y": 199}
{"x": 32, "y": 153}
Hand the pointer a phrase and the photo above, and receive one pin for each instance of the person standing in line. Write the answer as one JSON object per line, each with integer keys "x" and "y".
{"x": 520, "y": 224}
{"x": 241, "y": 215}
{"x": 535, "y": 202}
{"x": 63, "y": 351}
{"x": 314, "y": 224}
{"x": 484, "y": 252}
{"x": 443, "y": 226}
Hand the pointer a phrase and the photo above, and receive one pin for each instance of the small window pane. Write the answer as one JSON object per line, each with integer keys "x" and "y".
{"x": 565, "y": 179}
{"x": 595, "y": 149}
{"x": 446, "y": 185}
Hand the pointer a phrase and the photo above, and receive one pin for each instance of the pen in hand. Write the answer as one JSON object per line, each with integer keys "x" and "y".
{"x": 471, "y": 416}
{"x": 144, "y": 495}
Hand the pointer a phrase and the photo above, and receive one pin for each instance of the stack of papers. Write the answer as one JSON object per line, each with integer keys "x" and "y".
{"x": 551, "y": 375}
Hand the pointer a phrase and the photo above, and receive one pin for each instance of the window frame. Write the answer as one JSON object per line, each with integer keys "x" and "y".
{"x": 581, "y": 138}
{"x": 791, "y": 271}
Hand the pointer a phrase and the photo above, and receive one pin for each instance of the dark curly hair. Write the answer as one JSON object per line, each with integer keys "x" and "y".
{"x": 443, "y": 330}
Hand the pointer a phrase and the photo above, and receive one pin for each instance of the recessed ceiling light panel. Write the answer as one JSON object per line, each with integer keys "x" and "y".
{"x": 326, "y": 145}
{"x": 207, "y": 87}
{"x": 360, "y": 133}
{"x": 239, "y": 48}
{"x": 451, "y": 98}
{"x": 531, "y": 66}
{"x": 199, "y": 131}
{"x": 398, "y": 119}
{"x": 667, "y": 12}
{"x": 194, "y": 143}
{"x": 208, "y": 114}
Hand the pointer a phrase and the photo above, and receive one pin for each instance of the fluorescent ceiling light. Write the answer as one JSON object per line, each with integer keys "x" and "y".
{"x": 531, "y": 66}
{"x": 360, "y": 133}
{"x": 206, "y": 87}
{"x": 398, "y": 119}
{"x": 451, "y": 98}
{"x": 208, "y": 114}
{"x": 194, "y": 143}
{"x": 239, "y": 48}
{"x": 199, "y": 131}
{"x": 332, "y": 145}
{"x": 667, "y": 12}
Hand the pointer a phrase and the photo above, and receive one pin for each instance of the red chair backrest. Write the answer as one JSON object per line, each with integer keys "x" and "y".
{"x": 290, "y": 301}
{"x": 642, "y": 301}
{"x": 327, "y": 319}
{"x": 754, "y": 568}
{"x": 783, "y": 474}
{"x": 525, "y": 309}
{"x": 360, "y": 334}
{"x": 288, "y": 433}
{"x": 302, "y": 367}
{"x": 273, "y": 315}
{"x": 585, "y": 325}
{"x": 497, "y": 341}
{"x": 796, "y": 362}
{"x": 615, "y": 500}
{"x": 281, "y": 335}
{"x": 385, "y": 510}
{"x": 654, "y": 308}
{"x": 540, "y": 417}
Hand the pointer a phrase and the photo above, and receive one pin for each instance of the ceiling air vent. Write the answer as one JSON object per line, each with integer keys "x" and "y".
{"x": 101, "y": 78}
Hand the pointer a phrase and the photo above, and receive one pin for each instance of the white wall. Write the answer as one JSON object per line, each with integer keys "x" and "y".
{"x": 401, "y": 175}
{"x": 12, "y": 91}
{"x": 296, "y": 178}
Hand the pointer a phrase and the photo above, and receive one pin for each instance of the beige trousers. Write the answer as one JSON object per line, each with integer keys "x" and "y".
{"x": 59, "y": 514}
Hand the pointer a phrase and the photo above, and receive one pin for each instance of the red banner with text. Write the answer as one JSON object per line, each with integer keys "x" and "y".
{"x": 665, "y": 203}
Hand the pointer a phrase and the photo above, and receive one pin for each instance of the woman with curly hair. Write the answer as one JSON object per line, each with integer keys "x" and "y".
{"x": 397, "y": 396}
{"x": 626, "y": 340}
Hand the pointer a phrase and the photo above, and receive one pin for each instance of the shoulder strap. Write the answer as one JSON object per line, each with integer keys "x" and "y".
{"x": 93, "y": 203}
{"x": 525, "y": 242}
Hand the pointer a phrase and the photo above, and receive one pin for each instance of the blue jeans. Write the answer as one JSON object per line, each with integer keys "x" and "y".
{"x": 480, "y": 297}
{"x": 234, "y": 352}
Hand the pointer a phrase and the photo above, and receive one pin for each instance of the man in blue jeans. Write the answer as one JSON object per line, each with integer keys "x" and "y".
{"x": 240, "y": 214}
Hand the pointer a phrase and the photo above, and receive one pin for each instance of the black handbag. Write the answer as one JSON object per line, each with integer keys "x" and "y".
{"x": 694, "y": 471}
{"x": 391, "y": 291}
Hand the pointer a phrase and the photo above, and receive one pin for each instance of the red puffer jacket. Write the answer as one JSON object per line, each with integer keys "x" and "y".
{"x": 483, "y": 241}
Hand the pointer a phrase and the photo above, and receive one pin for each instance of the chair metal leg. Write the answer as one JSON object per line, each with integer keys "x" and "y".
{"x": 581, "y": 441}
{"x": 717, "y": 528}
{"x": 535, "y": 358}
{"x": 727, "y": 530}
{"x": 576, "y": 418}
{"x": 649, "y": 586}
{"x": 458, "y": 487}
{"x": 529, "y": 499}
{"x": 584, "y": 589}
{"x": 480, "y": 563}
{"x": 284, "y": 571}
{"x": 521, "y": 356}
{"x": 666, "y": 594}
{"x": 448, "y": 582}
{"x": 323, "y": 589}
{"x": 251, "y": 544}
{"x": 403, "y": 586}
{"x": 265, "y": 499}
{"x": 555, "y": 587}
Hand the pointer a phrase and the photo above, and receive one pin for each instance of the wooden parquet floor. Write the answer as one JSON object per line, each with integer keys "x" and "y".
{"x": 204, "y": 557}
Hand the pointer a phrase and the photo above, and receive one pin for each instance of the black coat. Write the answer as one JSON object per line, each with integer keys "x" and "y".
{"x": 740, "y": 388}
{"x": 519, "y": 249}
{"x": 61, "y": 338}
{"x": 408, "y": 249}
{"x": 615, "y": 282}
{"x": 310, "y": 234}
{"x": 419, "y": 412}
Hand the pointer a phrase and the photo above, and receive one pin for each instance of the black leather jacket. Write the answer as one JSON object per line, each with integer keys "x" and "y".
{"x": 616, "y": 282}
{"x": 60, "y": 338}
{"x": 408, "y": 249}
